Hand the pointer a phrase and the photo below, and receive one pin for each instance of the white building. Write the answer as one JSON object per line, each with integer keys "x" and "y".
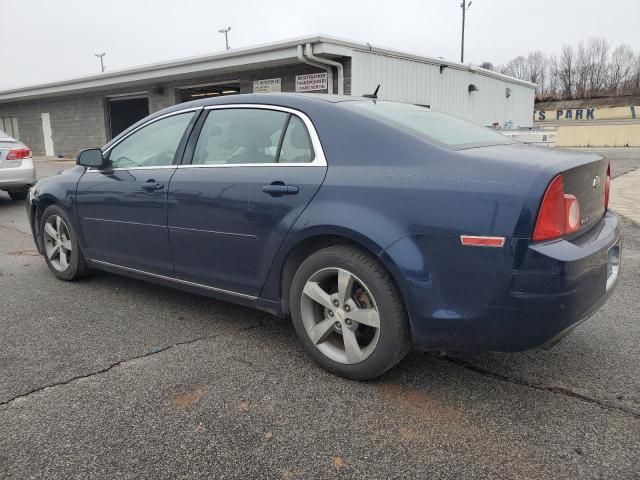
{"x": 61, "y": 118}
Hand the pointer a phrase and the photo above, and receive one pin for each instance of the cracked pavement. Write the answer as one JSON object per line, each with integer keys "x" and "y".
{"x": 115, "y": 378}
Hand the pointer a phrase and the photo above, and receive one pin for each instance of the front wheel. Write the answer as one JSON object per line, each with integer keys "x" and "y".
{"x": 61, "y": 250}
{"x": 348, "y": 313}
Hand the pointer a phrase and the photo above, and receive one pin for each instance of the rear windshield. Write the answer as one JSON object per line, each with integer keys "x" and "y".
{"x": 5, "y": 136}
{"x": 437, "y": 127}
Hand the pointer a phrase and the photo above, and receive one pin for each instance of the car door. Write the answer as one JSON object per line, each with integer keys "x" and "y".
{"x": 246, "y": 178}
{"x": 122, "y": 208}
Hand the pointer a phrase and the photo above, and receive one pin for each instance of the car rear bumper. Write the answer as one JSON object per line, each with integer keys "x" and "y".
{"x": 18, "y": 177}
{"x": 527, "y": 296}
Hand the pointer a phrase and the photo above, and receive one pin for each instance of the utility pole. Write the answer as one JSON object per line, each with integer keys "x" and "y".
{"x": 100, "y": 55}
{"x": 464, "y": 7}
{"x": 226, "y": 35}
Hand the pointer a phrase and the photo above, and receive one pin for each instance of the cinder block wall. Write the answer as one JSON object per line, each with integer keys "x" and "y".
{"x": 76, "y": 122}
{"x": 79, "y": 121}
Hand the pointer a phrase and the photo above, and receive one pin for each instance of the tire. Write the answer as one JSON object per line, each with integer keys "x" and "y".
{"x": 327, "y": 330}
{"x": 18, "y": 194}
{"x": 62, "y": 254}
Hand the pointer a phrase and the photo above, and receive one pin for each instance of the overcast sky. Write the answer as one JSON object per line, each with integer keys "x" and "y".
{"x": 47, "y": 40}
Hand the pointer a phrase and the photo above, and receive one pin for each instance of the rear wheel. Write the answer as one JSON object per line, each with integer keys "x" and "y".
{"x": 61, "y": 250}
{"x": 348, "y": 313}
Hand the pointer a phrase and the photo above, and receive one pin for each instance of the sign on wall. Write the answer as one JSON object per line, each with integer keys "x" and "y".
{"x": 311, "y": 82}
{"x": 587, "y": 113}
{"x": 569, "y": 114}
{"x": 267, "y": 85}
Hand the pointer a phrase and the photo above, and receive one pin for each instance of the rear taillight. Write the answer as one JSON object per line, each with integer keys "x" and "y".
{"x": 607, "y": 187}
{"x": 559, "y": 213}
{"x": 18, "y": 154}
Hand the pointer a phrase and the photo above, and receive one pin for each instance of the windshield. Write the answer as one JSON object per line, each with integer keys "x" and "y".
{"x": 5, "y": 135}
{"x": 437, "y": 127}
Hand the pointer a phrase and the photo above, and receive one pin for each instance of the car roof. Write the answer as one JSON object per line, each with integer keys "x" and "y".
{"x": 297, "y": 101}
{"x": 293, "y": 100}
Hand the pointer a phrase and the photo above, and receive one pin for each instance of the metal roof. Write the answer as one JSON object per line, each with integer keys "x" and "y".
{"x": 259, "y": 56}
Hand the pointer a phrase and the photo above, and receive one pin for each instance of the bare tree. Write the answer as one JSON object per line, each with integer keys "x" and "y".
{"x": 536, "y": 71}
{"x": 487, "y": 66}
{"x": 567, "y": 71}
{"x": 553, "y": 75}
{"x": 517, "y": 68}
{"x": 589, "y": 70}
{"x": 635, "y": 78}
{"x": 581, "y": 70}
{"x": 621, "y": 69}
{"x": 591, "y": 67}
{"x": 598, "y": 67}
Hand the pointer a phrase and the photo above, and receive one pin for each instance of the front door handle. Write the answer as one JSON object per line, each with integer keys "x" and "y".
{"x": 277, "y": 189}
{"x": 151, "y": 185}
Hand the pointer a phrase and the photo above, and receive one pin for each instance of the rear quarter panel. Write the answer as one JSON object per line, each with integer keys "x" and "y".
{"x": 408, "y": 202}
{"x": 383, "y": 185}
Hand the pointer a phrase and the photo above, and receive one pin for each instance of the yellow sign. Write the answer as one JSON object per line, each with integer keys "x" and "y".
{"x": 587, "y": 114}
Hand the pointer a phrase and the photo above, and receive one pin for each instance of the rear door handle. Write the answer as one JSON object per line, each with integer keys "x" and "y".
{"x": 151, "y": 185}
{"x": 280, "y": 188}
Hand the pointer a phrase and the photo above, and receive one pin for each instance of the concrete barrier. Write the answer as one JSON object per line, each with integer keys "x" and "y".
{"x": 542, "y": 137}
{"x": 617, "y": 135}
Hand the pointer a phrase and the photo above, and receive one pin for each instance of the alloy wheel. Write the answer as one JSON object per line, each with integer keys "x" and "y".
{"x": 57, "y": 243}
{"x": 340, "y": 315}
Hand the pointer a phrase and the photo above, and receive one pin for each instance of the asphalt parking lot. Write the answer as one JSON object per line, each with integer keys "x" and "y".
{"x": 115, "y": 378}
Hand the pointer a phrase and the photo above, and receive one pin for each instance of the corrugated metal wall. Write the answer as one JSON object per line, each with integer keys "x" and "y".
{"x": 413, "y": 81}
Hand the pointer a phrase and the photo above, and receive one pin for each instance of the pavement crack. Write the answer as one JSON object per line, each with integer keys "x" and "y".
{"x": 545, "y": 388}
{"x": 155, "y": 351}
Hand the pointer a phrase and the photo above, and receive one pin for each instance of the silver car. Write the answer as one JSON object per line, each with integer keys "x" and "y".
{"x": 17, "y": 170}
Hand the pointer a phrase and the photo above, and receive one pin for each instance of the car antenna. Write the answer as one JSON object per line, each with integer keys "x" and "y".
{"x": 374, "y": 94}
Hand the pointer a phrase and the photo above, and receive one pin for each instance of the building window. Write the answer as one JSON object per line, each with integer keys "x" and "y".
{"x": 9, "y": 125}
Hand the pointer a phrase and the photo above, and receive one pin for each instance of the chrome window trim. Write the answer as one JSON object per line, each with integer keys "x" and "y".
{"x": 108, "y": 170}
{"x": 229, "y": 165}
{"x": 173, "y": 279}
{"x": 153, "y": 120}
{"x": 319, "y": 159}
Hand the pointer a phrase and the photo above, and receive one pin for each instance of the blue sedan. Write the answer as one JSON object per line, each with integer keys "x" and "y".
{"x": 376, "y": 226}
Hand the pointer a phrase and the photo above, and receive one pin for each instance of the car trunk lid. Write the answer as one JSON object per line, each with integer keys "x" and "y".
{"x": 536, "y": 167}
{"x": 587, "y": 183}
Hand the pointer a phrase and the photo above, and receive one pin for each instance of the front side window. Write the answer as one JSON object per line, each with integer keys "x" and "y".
{"x": 440, "y": 128}
{"x": 252, "y": 136}
{"x": 152, "y": 146}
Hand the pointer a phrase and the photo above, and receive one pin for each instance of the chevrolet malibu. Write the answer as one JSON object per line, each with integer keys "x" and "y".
{"x": 376, "y": 226}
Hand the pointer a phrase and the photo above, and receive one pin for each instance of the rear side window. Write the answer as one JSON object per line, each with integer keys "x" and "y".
{"x": 296, "y": 144}
{"x": 252, "y": 136}
{"x": 437, "y": 127}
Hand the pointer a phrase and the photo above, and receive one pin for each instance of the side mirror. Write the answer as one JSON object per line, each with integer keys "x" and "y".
{"x": 92, "y": 157}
